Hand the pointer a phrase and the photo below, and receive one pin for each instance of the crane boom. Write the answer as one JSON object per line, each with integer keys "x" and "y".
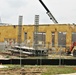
{"x": 49, "y": 13}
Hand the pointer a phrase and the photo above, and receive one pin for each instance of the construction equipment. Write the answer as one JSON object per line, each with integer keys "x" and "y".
{"x": 48, "y": 12}
{"x": 72, "y": 49}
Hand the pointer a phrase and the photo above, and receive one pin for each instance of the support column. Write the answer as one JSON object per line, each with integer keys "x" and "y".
{"x": 68, "y": 38}
{"x": 56, "y": 39}
{"x": 48, "y": 39}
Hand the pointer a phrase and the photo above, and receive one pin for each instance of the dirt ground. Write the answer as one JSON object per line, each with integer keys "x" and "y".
{"x": 36, "y": 70}
{"x": 23, "y": 71}
{"x": 68, "y": 74}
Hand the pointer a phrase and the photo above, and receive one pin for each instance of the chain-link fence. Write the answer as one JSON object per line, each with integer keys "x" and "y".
{"x": 42, "y": 51}
{"x": 59, "y": 52}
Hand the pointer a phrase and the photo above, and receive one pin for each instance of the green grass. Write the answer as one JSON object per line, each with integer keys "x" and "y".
{"x": 50, "y": 70}
{"x": 54, "y": 70}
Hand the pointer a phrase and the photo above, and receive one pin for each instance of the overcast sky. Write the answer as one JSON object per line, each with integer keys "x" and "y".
{"x": 63, "y": 10}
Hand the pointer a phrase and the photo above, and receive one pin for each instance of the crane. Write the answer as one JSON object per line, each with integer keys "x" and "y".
{"x": 48, "y": 12}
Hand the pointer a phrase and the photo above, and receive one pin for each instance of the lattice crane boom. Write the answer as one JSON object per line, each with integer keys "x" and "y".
{"x": 48, "y": 12}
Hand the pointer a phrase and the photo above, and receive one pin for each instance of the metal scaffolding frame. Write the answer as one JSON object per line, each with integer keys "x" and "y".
{"x": 20, "y": 30}
{"x": 36, "y": 31}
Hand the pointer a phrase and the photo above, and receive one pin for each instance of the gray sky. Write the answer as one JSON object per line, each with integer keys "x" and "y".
{"x": 63, "y": 10}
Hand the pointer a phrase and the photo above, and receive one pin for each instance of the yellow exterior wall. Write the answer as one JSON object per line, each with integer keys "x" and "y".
{"x": 11, "y": 32}
{"x": 7, "y": 32}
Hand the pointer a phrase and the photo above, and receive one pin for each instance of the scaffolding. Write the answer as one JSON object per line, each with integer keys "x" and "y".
{"x": 20, "y": 30}
{"x": 36, "y": 31}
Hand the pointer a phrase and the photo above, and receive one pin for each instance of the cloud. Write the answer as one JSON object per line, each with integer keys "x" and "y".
{"x": 63, "y": 10}
{"x": 16, "y": 3}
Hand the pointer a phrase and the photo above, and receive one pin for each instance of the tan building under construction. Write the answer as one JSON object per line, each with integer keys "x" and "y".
{"x": 49, "y": 35}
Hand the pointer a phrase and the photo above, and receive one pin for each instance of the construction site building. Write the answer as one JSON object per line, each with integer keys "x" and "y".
{"x": 49, "y": 35}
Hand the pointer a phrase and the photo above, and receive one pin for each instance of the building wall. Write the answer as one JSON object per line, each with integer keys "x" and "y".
{"x": 11, "y": 32}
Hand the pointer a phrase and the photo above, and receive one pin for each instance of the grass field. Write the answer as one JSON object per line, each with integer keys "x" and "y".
{"x": 37, "y": 70}
{"x": 54, "y": 70}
